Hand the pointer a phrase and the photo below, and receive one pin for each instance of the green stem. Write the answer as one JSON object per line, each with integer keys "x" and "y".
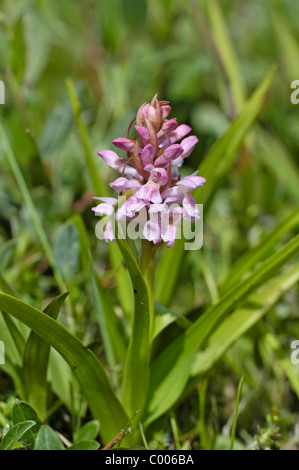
{"x": 148, "y": 266}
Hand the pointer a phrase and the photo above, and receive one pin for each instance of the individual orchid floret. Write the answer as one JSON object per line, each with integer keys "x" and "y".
{"x": 150, "y": 181}
{"x": 118, "y": 164}
{"x": 107, "y": 206}
{"x": 122, "y": 184}
{"x": 124, "y": 144}
{"x": 150, "y": 192}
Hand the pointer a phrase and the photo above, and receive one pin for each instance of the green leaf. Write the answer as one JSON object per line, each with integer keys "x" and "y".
{"x": 123, "y": 283}
{"x": 88, "y": 432}
{"x": 91, "y": 163}
{"x": 56, "y": 129}
{"x": 37, "y": 52}
{"x": 15, "y": 434}
{"x": 61, "y": 379}
{"x": 215, "y": 166}
{"x": 227, "y": 53}
{"x": 164, "y": 318}
{"x": 171, "y": 370}
{"x": 241, "y": 320}
{"x": 136, "y": 369}
{"x": 255, "y": 255}
{"x": 66, "y": 251}
{"x": 111, "y": 329}
{"x": 94, "y": 382}
{"x": 35, "y": 364}
{"x": 17, "y": 336}
{"x": 85, "y": 445}
{"x": 21, "y": 412}
{"x": 286, "y": 42}
{"x": 234, "y": 426}
{"x": 47, "y": 439}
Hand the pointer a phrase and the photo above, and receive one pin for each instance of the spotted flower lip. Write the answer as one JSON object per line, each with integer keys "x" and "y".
{"x": 149, "y": 175}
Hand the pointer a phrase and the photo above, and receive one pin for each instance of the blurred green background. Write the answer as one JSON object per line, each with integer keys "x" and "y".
{"x": 206, "y": 58}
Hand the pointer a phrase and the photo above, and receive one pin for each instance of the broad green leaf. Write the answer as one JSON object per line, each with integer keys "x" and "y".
{"x": 215, "y": 166}
{"x": 171, "y": 370}
{"x": 16, "y": 334}
{"x": 22, "y": 412}
{"x": 111, "y": 328}
{"x": 61, "y": 379}
{"x": 35, "y": 364}
{"x": 94, "y": 382}
{"x": 164, "y": 318}
{"x": 66, "y": 251}
{"x": 136, "y": 368}
{"x": 255, "y": 255}
{"x": 112, "y": 331}
{"x": 47, "y": 439}
{"x": 125, "y": 294}
{"x": 102, "y": 310}
{"x": 241, "y": 320}
{"x": 15, "y": 434}
{"x": 85, "y": 445}
{"x": 88, "y": 432}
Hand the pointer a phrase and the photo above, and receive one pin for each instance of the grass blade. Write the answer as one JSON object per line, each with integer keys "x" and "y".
{"x": 241, "y": 320}
{"x": 30, "y": 205}
{"x": 170, "y": 372}
{"x": 36, "y": 360}
{"x": 214, "y": 168}
{"x": 95, "y": 384}
{"x": 255, "y": 255}
{"x": 234, "y": 426}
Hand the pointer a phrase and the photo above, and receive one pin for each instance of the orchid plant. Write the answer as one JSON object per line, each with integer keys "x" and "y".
{"x": 156, "y": 195}
{"x": 145, "y": 368}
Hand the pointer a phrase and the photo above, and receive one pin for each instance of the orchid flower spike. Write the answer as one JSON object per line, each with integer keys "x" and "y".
{"x": 150, "y": 176}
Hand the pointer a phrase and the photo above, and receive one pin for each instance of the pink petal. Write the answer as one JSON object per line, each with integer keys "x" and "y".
{"x": 111, "y": 158}
{"x": 150, "y": 192}
{"x": 121, "y": 184}
{"x": 147, "y": 154}
{"x": 108, "y": 233}
{"x": 103, "y": 209}
{"x": 152, "y": 231}
{"x": 165, "y": 111}
{"x": 143, "y": 134}
{"x": 179, "y": 133}
{"x": 191, "y": 182}
{"x": 109, "y": 200}
{"x": 168, "y": 234}
{"x": 170, "y": 153}
{"x": 124, "y": 144}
